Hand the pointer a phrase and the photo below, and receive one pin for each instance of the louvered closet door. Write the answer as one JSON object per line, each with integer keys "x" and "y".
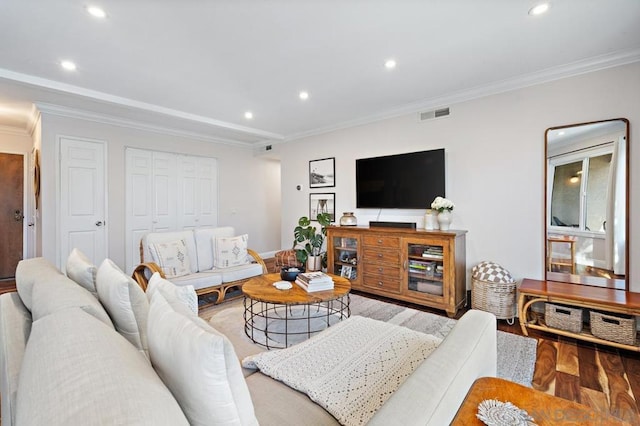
{"x": 197, "y": 198}
{"x": 139, "y": 202}
{"x": 166, "y": 192}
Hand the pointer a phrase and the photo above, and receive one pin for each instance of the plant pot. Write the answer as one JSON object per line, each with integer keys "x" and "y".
{"x": 314, "y": 263}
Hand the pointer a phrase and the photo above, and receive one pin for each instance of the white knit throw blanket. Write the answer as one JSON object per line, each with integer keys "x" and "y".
{"x": 351, "y": 368}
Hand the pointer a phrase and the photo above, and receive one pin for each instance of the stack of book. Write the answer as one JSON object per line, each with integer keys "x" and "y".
{"x": 432, "y": 251}
{"x": 314, "y": 281}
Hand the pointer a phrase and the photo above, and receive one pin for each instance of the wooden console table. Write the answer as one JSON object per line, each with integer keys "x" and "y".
{"x": 597, "y": 298}
{"x": 545, "y": 409}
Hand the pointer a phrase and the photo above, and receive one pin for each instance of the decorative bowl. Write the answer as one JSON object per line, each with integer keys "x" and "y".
{"x": 289, "y": 273}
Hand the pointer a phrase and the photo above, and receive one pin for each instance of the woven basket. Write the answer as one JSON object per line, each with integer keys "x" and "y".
{"x": 497, "y": 298}
{"x": 563, "y": 317}
{"x": 613, "y": 328}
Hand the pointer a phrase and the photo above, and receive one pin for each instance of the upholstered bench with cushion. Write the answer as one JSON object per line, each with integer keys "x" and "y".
{"x": 212, "y": 260}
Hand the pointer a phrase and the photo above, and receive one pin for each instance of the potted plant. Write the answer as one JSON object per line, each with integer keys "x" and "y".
{"x": 308, "y": 242}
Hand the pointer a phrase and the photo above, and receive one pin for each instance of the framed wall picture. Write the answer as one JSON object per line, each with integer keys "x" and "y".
{"x": 322, "y": 173}
{"x": 322, "y": 203}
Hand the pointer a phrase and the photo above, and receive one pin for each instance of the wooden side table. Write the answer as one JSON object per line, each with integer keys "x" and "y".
{"x": 545, "y": 409}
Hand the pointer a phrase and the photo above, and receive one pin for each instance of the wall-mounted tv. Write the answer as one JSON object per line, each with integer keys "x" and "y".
{"x": 402, "y": 181}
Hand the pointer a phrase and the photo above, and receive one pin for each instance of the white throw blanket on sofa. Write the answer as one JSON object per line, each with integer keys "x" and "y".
{"x": 351, "y": 368}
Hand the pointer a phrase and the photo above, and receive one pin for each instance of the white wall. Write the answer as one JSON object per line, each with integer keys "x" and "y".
{"x": 494, "y": 159}
{"x": 15, "y": 142}
{"x": 247, "y": 183}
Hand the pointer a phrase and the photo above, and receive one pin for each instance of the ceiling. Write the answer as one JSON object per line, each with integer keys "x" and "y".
{"x": 197, "y": 66}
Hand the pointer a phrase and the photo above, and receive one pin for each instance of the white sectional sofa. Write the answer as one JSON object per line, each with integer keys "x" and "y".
{"x": 203, "y": 275}
{"x": 66, "y": 358}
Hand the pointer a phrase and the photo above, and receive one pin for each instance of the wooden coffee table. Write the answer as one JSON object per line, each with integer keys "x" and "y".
{"x": 545, "y": 409}
{"x": 278, "y": 318}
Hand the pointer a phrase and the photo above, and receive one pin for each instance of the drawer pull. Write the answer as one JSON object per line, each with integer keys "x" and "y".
{"x": 380, "y": 269}
{"x": 379, "y": 241}
{"x": 380, "y": 283}
{"x": 380, "y": 255}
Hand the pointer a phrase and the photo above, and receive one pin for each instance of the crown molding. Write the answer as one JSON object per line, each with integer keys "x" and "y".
{"x": 14, "y": 131}
{"x": 130, "y": 103}
{"x": 133, "y": 124}
{"x": 34, "y": 118}
{"x": 573, "y": 69}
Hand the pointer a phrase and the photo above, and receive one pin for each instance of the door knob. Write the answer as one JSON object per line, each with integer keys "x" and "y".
{"x": 99, "y": 223}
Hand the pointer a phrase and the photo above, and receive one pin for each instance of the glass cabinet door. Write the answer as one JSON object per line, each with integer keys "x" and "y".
{"x": 345, "y": 257}
{"x": 425, "y": 268}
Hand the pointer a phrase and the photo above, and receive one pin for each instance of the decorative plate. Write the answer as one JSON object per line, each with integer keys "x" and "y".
{"x": 495, "y": 413}
{"x": 282, "y": 285}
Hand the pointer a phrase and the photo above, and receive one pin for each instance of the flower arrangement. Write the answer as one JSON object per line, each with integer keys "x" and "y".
{"x": 441, "y": 204}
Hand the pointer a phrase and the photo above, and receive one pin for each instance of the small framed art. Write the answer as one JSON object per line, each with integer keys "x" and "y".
{"x": 322, "y": 173}
{"x": 322, "y": 203}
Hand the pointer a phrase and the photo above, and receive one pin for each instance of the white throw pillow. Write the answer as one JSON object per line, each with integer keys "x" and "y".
{"x": 199, "y": 366}
{"x": 172, "y": 257}
{"x": 230, "y": 251}
{"x": 125, "y": 302}
{"x": 182, "y": 299}
{"x": 81, "y": 270}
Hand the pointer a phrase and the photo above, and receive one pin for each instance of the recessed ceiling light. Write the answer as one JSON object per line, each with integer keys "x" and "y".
{"x": 539, "y": 9}
{"x": 304, "y": 95}
{"x": 390, "y": 64}
{"x": 248, "y": 115}
{"x": 96, "y": 11}
{"x": 68, "y": 65}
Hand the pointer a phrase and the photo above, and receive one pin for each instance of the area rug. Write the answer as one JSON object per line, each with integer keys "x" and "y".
{"x": 516, "y": 354}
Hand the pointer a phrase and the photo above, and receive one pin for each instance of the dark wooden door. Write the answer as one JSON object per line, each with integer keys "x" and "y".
{"x": 11, "y": 214}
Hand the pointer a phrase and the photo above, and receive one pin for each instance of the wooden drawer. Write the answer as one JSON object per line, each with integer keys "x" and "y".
{"x": 381, "y": 282}
{"x": 377, "y": 269}
{"x": 381, "y": 241}
{"x": 371, "y": 255}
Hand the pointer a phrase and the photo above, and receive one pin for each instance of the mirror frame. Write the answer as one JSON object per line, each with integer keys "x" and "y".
{"x": 575, "y": 278}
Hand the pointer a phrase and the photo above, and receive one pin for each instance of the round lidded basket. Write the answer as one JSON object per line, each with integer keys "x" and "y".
{"x": 493, "y": 290}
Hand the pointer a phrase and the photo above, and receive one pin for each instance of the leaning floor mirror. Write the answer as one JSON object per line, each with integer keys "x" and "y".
{"x": 587, "y": 203}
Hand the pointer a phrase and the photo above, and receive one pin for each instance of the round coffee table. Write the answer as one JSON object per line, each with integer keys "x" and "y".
{"x": 277, "y": 319}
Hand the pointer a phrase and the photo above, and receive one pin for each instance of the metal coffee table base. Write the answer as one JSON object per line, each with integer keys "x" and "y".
{"x": 278, "y": 326}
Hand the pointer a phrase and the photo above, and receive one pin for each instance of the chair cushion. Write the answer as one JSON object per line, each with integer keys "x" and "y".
{"x": 59, "y": 293}
{"x": 78, "y": 371}
{"x": 235, "y": 273}
{"x": 172, "y": 257}
{"x": 200, "y": 367}
{"x": 182, "y": 299}
{"x": 28, "y": 272}
{"x": 81, "y": 270}
{"x": 204, "y": 244}
{"x": 230, "y": 251}
{"x": 125, "y": 302}
{"x": 164, "y": 237}
{"x": 199, "y": 280}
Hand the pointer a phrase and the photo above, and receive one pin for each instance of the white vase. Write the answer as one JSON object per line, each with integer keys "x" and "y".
{"x": 444, "y": 220}
{"x": 430, "y": 221}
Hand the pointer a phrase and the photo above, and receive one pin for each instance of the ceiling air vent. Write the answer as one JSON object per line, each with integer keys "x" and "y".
{"x": 438, "y": 113}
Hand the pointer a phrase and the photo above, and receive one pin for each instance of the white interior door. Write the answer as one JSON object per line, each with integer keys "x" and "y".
{"x": 82, "y": 199}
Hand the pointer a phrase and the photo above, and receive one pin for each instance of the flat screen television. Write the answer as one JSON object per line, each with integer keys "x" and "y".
{"x": 402, "y": 181}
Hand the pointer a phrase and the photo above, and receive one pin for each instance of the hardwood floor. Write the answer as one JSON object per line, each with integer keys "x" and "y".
{"x": 602, "y": 377}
